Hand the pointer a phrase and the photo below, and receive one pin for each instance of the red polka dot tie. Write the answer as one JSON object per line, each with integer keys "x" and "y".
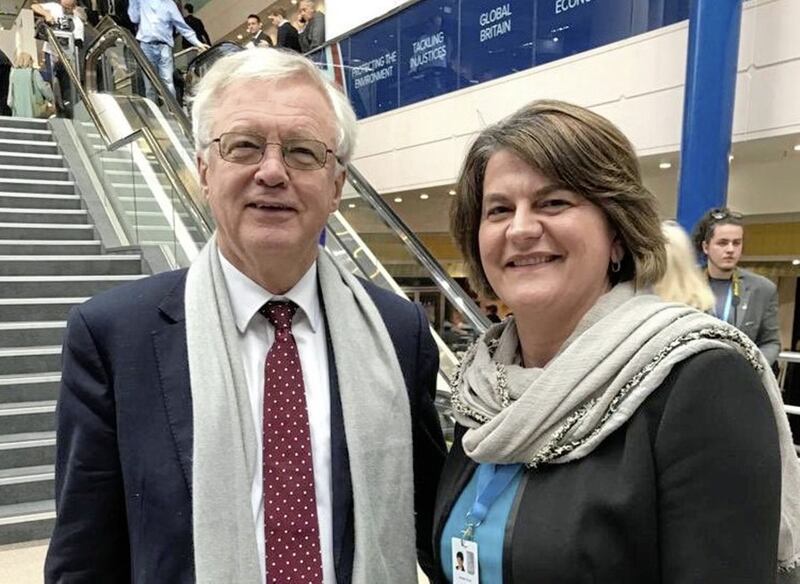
{"x": 290, "y": 504}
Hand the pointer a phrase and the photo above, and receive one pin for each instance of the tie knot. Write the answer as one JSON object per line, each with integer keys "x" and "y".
{"x": 279, "y": 313}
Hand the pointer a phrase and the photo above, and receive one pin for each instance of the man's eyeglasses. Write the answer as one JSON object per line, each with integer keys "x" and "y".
{"x": 720, "y": 214}
{"x": 300, "y": 154}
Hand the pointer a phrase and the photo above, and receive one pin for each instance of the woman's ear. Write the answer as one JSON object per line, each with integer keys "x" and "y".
{"x": 617, "y": 250}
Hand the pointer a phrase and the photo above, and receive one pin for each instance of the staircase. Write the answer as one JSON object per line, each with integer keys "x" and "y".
{"x": 50, "y": 261}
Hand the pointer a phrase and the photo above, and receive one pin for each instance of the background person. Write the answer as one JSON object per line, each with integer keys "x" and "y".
{"x": 265, "y": 411}
{"x": 156, "y": 20}
{"x": 313, "y": 34}
{"x": 258, "y": 38}
{"x": 744, "y": 299}
{"x": 5, "y": 74}
{"x": 683, "y": 281}
{"x": 27, "y": 88}
{"x": 60, "y": 15}
{"x": 196, "y": 25}
{"x": 611, "y": 449}
{"x": 287, "y": 34}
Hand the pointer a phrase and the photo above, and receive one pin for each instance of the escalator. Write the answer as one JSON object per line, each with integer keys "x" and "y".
{"x": 144, "y": 154}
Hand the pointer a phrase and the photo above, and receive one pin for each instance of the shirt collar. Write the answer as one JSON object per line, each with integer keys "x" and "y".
{"x": 247, "y": 297}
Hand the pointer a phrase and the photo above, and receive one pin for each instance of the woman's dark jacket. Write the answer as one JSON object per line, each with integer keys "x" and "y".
{"x": 687, "y": 491}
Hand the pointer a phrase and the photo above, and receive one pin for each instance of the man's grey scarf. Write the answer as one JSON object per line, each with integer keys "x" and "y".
{"x": 619, "y": 354}
{"x": 376, "y": 417}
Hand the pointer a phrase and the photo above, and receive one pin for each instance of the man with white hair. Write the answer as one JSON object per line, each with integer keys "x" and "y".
{"x": 265, "y": 416}
{"x": 313, "y": 34}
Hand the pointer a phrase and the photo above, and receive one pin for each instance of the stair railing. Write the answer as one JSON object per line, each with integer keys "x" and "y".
{"x": 202, "y": 220}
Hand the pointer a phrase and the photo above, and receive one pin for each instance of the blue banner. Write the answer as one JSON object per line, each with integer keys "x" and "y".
{"x": 497, "y": 36}
{"x": 373, "y": 72}
{"x": 434, "y": 47}
{"x": 428, "y": 50}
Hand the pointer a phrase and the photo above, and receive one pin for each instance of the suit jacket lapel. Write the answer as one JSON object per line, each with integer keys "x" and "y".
{"x": 341, "y": 482}
{"x": 169, "y": 343}
{"x": 744, "y": 301}
{"x": 450, "y": 490}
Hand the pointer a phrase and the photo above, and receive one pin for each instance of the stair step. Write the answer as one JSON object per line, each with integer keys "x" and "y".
{"x": 39, "y": 201}
{"x": 30, "y": 172}
{"x": 31, "y": 333}
{"x": 37, "y": 308}
{"x": 59, "y": 286}
{"x": 33, "y": 135}
{"x": 50, "y": 247}
{"x": 26, "y": 123}
{"x": 48, "y": 216}
{"x": 22, "y": 360}
{"x": 38, "y": 231}
{"x": 23, "y": 185}
{"x": 25, "y": 159}
{"x": 26, "y": 484}
{"x": 30, "y": 387}
{"x": 27, "y": 416}
{"x": 27, "y": 449}
{"x": 28, "y": 146}
{"x": 27, "y": 521}
{"x": 53, "y": 265}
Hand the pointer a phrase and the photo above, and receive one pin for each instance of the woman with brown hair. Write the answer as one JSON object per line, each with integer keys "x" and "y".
{"x": 603, "y": 435}
{"x": 26, "y": 88}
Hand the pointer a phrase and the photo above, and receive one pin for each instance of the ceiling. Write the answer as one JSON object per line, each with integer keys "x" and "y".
{"x": 761, "y": 169}
{"x": 768, "y": 167}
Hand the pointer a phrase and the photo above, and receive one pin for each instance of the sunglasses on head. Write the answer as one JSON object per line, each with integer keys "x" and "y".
{"x": 720, "y": 214}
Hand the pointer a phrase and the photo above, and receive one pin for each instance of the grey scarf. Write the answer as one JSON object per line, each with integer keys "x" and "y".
{"x": 376, "y": 417}
{"x": 620, "y": 353}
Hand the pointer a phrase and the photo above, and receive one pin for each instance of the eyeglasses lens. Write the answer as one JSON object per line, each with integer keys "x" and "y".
{"x": 249, "y": 149}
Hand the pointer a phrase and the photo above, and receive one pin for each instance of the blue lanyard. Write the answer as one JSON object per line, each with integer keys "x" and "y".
{"x": 493, "y": 479}
{"x": 728, "y": 301}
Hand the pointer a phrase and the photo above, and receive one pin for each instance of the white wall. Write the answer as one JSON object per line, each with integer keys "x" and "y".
{"x": 342, "y": 16}
{"x": 19, "y": 37}
{"x": 637, "y": 83}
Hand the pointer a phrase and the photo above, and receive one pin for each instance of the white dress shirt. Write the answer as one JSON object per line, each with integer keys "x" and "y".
{"x": 256, "y": 335}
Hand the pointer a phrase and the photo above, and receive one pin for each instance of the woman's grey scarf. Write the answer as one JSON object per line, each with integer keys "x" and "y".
{"x": 621, "y": 352}
{"x": 376, "y": 417}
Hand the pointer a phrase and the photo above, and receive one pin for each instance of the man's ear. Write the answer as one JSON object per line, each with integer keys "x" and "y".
{"x": 338, "y": 185}
{"x": 202, "y": 169}
{"x": 705, "y": 247}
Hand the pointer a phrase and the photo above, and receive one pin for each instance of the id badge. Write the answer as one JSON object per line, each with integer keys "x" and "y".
{"x": 465, "y": 561}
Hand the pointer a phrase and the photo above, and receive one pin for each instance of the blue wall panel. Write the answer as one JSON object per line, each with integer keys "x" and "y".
{"x": 428, "y": 50}
{"x": 434, "y": 47}
{"x": 496, "y": 39}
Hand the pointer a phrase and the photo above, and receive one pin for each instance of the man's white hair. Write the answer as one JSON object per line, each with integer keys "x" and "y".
{"x": 267, "y": 65}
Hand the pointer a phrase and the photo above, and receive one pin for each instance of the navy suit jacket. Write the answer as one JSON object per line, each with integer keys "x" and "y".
{"x": 124, "y": 449}
{"x": 288, "y": 37}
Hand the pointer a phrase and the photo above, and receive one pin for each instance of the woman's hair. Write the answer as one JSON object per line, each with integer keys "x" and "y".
{"x": 586, "y": 153}
{"x": 23, "y": 61}
{"x": 683, "y": 281}
{"x": 267, "y": 65}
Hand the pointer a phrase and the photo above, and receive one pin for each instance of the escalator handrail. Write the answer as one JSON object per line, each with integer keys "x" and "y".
{"x": 452, "y": 290}
{"x": 143, "y": 132}
{"x": 449, "y": 287}
{"x": 109, "y": 32}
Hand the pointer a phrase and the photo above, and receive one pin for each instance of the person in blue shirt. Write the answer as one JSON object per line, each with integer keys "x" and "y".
{"x": 156, "y": 20}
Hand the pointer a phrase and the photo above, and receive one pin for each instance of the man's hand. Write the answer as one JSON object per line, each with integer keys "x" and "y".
{"x": 202, "y": 47}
